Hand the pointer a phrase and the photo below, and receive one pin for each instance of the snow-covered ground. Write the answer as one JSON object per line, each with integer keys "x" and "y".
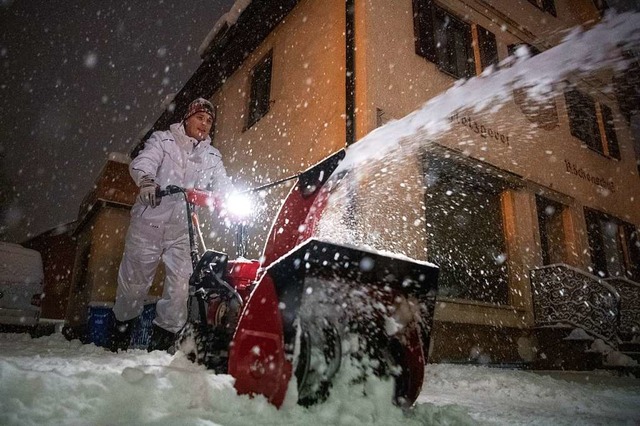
{"x": 52, "y": 381}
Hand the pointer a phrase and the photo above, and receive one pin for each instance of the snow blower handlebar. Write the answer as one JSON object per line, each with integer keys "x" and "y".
{"x": 169, "y": 190}
{"x": 190, "y": 200}
{"x": 194, "y": 196}
{"x": 234, "y": 208}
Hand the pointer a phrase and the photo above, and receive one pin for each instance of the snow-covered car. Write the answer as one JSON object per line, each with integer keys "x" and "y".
{"x": 21, "y": 282}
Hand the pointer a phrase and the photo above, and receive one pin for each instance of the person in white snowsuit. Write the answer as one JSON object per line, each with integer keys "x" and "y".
{"x": 181, "y": 156}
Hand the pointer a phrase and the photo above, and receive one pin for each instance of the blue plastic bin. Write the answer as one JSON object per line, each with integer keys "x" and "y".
{"x": 142, "y": 330}
{"x": 99, "y": 324}
{"x": 101, "y": 319}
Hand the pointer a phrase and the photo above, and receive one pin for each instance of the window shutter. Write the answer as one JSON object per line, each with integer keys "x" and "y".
{"x": 582, "y": 119}
{"x": 601, "y": 5}
{"x": 212, "y": 132}
{"x": 549, "y": 6}
{"x": 610, "y": 131}
{"x": 576, "y": 119}
{"x": 424, "y": 29}
{"x": 542, "y": 229}
{"x": 488, "y": 47}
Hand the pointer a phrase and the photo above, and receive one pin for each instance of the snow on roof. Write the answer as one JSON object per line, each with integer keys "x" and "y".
{"x": 119, "y": 157}
{"x": 62, "y": 228}
{"x": 18, "y": 263}
{"x": 166, "y": 102}
{"x": 225, "y": 21}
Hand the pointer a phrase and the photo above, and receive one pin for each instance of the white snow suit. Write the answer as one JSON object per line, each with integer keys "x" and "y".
{"x": 170, "y": 158}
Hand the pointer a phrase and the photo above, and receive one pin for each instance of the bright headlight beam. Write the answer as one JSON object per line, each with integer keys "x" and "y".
{"x": 239, "y": 205}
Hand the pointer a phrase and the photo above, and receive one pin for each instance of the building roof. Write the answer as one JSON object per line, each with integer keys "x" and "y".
{"x": 223, "y": 24}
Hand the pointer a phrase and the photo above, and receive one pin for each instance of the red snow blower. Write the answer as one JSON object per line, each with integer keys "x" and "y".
{"x": 309, "y": 306}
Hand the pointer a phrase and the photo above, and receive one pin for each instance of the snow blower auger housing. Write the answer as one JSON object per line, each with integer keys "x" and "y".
{"x": 327, "y": 303}
{"x": 311, "y": 307}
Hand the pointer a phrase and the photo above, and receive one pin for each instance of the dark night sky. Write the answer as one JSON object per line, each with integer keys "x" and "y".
{"x": 79, "y": 80}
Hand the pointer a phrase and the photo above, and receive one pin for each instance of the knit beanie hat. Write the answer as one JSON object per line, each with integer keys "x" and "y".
{"x": 199, "y": 105}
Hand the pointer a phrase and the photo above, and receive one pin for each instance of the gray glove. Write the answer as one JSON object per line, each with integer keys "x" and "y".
{"x": 147, "y": 195}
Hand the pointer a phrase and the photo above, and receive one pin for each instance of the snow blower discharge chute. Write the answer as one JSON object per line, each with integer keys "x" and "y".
{"x": 309, "y": 306}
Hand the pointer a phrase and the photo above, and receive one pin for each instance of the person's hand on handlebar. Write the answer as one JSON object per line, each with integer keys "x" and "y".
{"x": 147, "y": 195}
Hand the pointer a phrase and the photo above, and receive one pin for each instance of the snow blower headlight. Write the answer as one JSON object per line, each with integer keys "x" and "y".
{"x": 239, "y": 206}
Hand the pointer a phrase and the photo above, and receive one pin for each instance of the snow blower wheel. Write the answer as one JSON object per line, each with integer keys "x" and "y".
{"x": 319, "y": 359}
{"x": 206, "y": 346}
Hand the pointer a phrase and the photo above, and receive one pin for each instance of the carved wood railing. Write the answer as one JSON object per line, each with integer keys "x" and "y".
{"x": 566, "y": 295}
{"x": 629, "y": 306}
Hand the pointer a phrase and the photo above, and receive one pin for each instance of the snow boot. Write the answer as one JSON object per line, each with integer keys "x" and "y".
{"x": 120, "y": 335}
{"x": 161, "y": 340}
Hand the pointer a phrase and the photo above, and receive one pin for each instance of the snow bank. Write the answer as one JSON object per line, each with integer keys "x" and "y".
{"x": 20, "y": 264}
{"x": 514, "y": 397}
{"x": 50, "y": 381}
{"x": 119, "y": 157}
{"x": 612, "y": 358}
